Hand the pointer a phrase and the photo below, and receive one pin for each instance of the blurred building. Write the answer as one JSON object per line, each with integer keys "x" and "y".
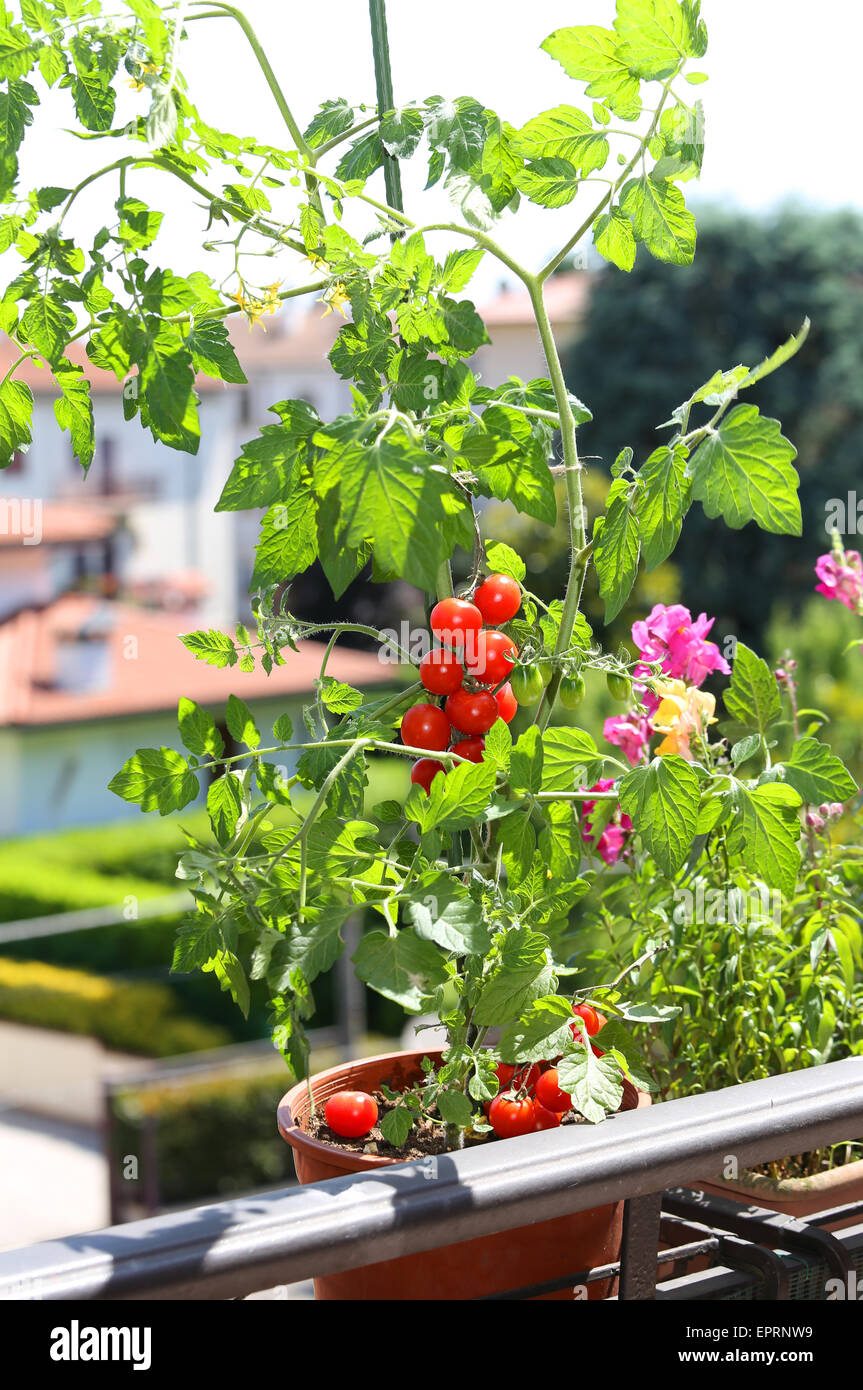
{"x": 99, "y": 575}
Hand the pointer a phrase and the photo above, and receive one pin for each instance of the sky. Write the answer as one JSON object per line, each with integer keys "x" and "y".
{"x": 782, "y": 102}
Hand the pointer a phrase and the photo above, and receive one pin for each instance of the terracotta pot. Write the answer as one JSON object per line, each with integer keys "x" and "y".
{"x": 489, "y": 1264}
{"x": 795, "y": 1196}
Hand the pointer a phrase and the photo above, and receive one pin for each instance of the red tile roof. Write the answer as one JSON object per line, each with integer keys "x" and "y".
{"x": 153, "y": 678}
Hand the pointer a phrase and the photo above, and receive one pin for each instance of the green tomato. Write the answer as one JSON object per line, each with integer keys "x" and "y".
{"x": 546, "y": 670}
{"x": 571, "y": 692}
{"x": 619, "y": 687}
{"x": 527, "y": 684}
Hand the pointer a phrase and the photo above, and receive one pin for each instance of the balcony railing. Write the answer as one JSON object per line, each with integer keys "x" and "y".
{"x": 239, "y": 1247}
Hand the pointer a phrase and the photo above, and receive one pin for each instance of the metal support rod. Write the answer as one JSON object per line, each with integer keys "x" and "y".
{"x": 641, "y": 1217}
{"x": 241, "y": 1246}
{"x": 386, "y": 101}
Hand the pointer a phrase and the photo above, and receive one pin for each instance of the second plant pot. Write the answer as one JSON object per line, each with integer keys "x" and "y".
{"x": 492, "y": 1264}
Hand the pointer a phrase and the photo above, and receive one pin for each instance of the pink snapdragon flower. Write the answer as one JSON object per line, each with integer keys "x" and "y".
{"x": 669, "y": 635}
{"x": 612, "y": 841}
{"x": 630, "y": 732}
{"x": 841, "y": 576}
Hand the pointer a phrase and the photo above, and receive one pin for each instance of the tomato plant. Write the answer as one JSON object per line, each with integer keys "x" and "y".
{"x": 477, "y": 885}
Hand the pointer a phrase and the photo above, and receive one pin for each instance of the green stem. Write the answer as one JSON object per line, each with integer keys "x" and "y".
{"x": 264, "y": 64}
{"x": 574, "y": 496}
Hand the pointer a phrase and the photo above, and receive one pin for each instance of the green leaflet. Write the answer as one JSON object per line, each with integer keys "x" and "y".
{"x": 442, "y": 911}
{"x": 266, "y": 469}
{"x": 817, "y": 774}
{"x": 764, "y": 832}
{"x": 166, "y": 395}
{"x": 224, "y": 806}
{"x": 663, "y": 503}
{"x": 74, "y": 412}
{"x": 510, "y": 989}
{"x": 16, "y": 411}
{"x": 614, "y": 239}
{"x": 590, "y": 54}
{"x": 551, "y": 182}
{"x": 401, "y": 967}
{"x": 593, "y": 1082}
{"x": 158, "y": 779}
{"x": 660, "y": 218}
{"x": 212, "y": 646}
{"x": 617, "y": 548}
{"x": 753, "y": 695}
{"x": 454, "y": 802}
{"x": 213, "y": 353}
{"x": 48, "y": 324}
{"x": 662, "y": 801}
{"x": 241, "y": 723}
{"x": 198, "y": 729}
{"x": 542, "y": 1031}
{"x": 743, "y": 472}
{"x": 654, "y": 36}
{"x": 288, "y": 542}
{"x": 389, "y": 493}
{"x": 571, "y": 759}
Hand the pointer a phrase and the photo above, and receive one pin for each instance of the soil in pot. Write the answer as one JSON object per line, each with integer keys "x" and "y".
{"x": 470, "y": 1269}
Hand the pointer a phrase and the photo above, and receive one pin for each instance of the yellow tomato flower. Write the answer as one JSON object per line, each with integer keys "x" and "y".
{"x": 336, "y": 297}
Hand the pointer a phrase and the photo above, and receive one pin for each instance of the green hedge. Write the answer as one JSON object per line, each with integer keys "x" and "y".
{"x": 210, "y": 1139}
{"x": 139, "y": 1018}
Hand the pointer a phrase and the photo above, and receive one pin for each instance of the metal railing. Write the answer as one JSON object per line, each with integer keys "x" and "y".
{"x": 239, "y": 1247}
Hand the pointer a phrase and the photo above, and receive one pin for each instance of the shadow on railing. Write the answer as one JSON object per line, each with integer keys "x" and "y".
{"x": 239, "y": 1247}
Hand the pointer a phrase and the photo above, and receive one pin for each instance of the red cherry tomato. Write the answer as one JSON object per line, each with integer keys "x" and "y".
{"x": 440, "y": 672}
{"x": 498, "y": 599}
{"x": 590, "y": 1017}
{"x": 470, "y": 711}
{"x": 549, "y": 1094}
{"x": 517, "y": 1078}
{"x": 491, "y": 657}
{"x": 511, "y": 1117}
{"x": 507, "y": 704}
{"x": 426, "y": 726}
{"x": 351, "y": 1113}
{"x": 453, "y": 620}
{"x": 425, "y": 771}
{"x": 472, "y": 748}
{"x": 543, "y": 1118}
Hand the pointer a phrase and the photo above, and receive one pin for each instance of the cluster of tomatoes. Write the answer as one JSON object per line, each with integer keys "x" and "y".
{"x": 472, "y": 669}
{"x": 530, "y": 1098}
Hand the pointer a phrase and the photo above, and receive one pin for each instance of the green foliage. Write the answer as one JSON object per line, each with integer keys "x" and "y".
{"x": 469, "y": 886}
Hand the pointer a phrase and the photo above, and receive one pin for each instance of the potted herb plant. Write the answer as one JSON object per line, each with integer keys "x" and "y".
{"x": 472, "y": 877}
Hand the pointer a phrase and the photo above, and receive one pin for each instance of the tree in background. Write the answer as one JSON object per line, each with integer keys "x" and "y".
{"x": 665, "y": 327}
